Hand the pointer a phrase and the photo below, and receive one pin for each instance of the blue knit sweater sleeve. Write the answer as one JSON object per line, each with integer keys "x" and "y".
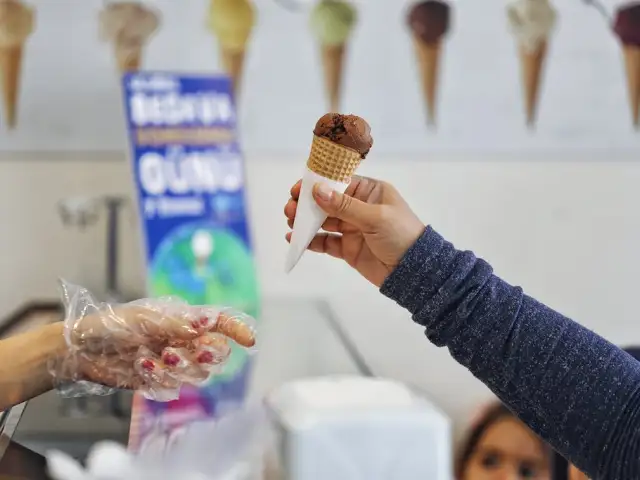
{"x": 576, "y": 390}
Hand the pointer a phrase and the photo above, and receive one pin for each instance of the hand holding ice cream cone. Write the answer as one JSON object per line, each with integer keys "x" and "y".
{"x": 531, "y": 22}
{"x": 128, "y": 27}
{"x": 340, "y": 143}
{"x": 369, "y": 226}
{"x": 429, "y": 21}
{"x": 232, "y": 22}
{"x": 332, "y": 22}
{"x": 16, "y": 24}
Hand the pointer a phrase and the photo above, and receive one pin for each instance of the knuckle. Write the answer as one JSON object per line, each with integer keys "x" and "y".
{"x": 386, "y": 186}
{"x": 344, "y": 204}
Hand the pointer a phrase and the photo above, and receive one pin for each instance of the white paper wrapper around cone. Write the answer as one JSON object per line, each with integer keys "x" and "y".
{"x": 309, "y": 216}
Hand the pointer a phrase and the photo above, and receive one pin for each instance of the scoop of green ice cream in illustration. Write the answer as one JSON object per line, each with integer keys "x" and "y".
{"x": 332, "y": 22}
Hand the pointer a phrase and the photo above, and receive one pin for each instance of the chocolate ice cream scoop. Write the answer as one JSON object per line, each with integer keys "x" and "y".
{"x": 349, "y": 131}
{"x": 627, "y": 24}
{"x": 429, "y": 20}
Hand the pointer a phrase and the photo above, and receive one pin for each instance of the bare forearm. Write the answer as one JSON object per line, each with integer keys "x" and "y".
{"x": 23, "y": 364}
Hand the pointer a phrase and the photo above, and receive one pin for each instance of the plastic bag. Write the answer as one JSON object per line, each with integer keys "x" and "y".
{"x": 150, "y": 345}
{"x": 232, "y": 448}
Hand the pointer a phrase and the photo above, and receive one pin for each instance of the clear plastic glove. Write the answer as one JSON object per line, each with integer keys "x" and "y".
{"x": 150, "y": 345}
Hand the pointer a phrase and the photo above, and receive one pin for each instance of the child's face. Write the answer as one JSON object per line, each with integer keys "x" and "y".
{"x": 508, "y": 451}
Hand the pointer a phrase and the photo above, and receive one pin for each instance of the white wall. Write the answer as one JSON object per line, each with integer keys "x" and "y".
{"x": 567, "y": 231}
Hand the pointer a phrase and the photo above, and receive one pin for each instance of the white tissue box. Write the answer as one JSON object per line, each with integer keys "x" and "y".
{"x": 352, "y": 428}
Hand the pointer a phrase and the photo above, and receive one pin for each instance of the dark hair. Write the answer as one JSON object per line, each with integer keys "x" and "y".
{"x": 560, "y": 464}
{"x": 491, "y": 416}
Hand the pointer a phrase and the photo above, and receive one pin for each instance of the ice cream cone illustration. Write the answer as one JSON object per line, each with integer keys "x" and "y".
{"x": 202, "y": 246}
{"x": 531, "y": 63}
{"x": 429, "y": 22}
{"x": 128, "y": 27}
{"x": 340, "y": 143}
{"x": 231, "y": 22}
{"x": 16, "y": 24}
{"x": 332, "y": 22}
{"x": 627, "y": 28}
{"x": 531, "y": 22}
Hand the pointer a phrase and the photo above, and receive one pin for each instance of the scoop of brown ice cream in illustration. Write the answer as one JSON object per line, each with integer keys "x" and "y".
{"x": 627, "y": 27}
{"x": 429, "y": 21}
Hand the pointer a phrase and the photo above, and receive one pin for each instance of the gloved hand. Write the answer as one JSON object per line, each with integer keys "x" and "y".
{"x": 152, "y": 345}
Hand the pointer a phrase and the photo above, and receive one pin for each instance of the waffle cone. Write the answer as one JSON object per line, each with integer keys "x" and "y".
{"x": 428, "y": 59}
{"x": 333, "y": 161}
{"x": 233, "y": 63}
{"x": 129, "y": 59}
{"x": 632, "y": 65}
{"x": 532, "y": 63}
{"x": 332, "y": 64}
{"x": 10, "y": 68}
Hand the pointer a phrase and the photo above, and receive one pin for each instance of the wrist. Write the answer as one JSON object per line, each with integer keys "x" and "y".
{"x": 417, "y": 275}
{"x": 57, "y": 351}
{"x": 54, "y": 334}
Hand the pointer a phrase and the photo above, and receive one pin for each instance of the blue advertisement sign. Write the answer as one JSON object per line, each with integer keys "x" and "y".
{"x": 189, "y": 176}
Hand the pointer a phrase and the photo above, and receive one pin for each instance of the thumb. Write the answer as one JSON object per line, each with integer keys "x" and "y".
{"x": 344, "y": 207}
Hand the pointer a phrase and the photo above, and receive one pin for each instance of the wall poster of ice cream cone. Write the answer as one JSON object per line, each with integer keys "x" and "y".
{"x": 469, "y": 77}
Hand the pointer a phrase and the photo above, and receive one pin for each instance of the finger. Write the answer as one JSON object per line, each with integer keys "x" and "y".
{"x": 135, "y": 323}
{"x": 174, "y": 358}
{"x": 353, "y": 185}
{"x": 180, "y": 365}
{"x": 196, "y": 363}
{"x": 162, "y": 320}
{"x": 153, "y": 375}
{"x": 330, "y": 225}
{"x": 363, "y": 215}
{"x": 148, "y": 372}
{"x": 334, "y": 225}
{"x": 328, "y": 243}
{"x": 211, "y": 349}
{"x": 351, "y": 189}
{"x": 290, "y": 209}
{"x": 295, "y": 190}
{"x": 237, "y": 326}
